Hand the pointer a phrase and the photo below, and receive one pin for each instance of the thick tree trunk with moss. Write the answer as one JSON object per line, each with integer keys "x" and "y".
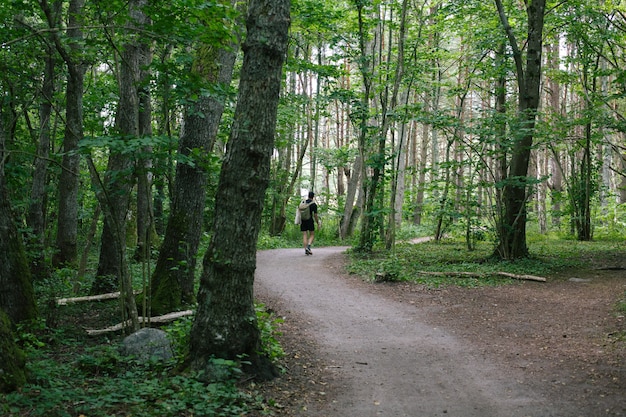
{"x": 17, "y": 298}
{"x": 173, "y": 279}
{"x": 225, "y": 325}
{"x": 13, "y": 363}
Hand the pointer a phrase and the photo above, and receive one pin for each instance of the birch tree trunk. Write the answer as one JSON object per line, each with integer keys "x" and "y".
{"x": 225, "y": 325}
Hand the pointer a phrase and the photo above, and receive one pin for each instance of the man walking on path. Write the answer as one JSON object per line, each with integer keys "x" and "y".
{"x": 307, "y": 223}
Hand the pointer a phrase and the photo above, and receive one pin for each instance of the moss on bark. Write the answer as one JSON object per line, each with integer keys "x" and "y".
{"x": 13, "y": 363}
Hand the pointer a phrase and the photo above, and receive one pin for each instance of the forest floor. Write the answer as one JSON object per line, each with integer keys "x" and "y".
{"x": 363, "y": 349}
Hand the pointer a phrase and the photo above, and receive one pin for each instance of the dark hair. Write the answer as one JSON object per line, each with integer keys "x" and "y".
{"x": 311, "y": 194}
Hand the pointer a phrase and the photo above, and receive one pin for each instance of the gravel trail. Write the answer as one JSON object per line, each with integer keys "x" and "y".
{"x": 390, "y": 360}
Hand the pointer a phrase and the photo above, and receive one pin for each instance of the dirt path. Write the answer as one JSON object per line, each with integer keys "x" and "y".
{"x": 387, "y": 358}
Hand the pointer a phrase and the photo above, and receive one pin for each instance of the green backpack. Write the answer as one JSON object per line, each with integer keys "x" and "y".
{"x": 305, "y": 210}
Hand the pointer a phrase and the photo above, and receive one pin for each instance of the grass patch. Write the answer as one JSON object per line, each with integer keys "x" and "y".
{"x": 549, "y": 256}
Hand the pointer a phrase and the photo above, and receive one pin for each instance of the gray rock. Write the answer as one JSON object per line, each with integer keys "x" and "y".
{"x": 579, "y": 280}
{"x": 147, "y": 343}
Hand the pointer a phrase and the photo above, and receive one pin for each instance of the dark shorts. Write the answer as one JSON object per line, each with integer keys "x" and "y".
{"x": 307, "y": 225}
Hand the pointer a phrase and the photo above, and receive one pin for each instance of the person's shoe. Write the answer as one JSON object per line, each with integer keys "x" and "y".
{"x": 307, "y": 251}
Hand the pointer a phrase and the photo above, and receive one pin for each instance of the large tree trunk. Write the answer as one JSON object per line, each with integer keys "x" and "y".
{"x": 16, "y": 295}
{"x": 512, "y": 227}
{"x": 225, "y": 325}
{"x": 174, "y": 276}
{"x": 67, "y": 224}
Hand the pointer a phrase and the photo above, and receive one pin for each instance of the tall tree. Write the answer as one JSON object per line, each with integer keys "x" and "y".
{"x": 369, "y": 185}
{"x": 67, "y": 223}
{"x": 512, "y": 223}
{"x": 118, "y": 177}
{"x": 17, "y": 297}
{"x": 143, "y": 162}
{"x": 36, "y": 218}
{"x": 225, "y": 325}
{"x": 174, "y": 276}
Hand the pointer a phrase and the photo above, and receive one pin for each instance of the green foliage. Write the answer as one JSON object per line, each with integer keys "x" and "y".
{"x": 12, "y": 375}
{"x": 100, "y": 382}
{"x": 268, "y": 324}
{"x": 137, "y": 392}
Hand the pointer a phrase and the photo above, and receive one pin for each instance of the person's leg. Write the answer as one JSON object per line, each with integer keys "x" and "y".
{"x": 311, "y": 238}
{"x": 305, "y": 239}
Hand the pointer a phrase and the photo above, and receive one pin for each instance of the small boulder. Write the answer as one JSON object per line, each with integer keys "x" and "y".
{"x": 147, "y": 343}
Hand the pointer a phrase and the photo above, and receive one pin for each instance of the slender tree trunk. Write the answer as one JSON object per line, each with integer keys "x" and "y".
{"x": 118, "y": 178}
{"x": 351, "y": 211}
{"x": 36, "y": 219}
{"x": 225, "y": 325}
{"x": 542, "y": 215}
{"x": 397, "y": 169}
{"x": 174, "y": 275}
{"x": 555, "y": 182}
{"x": 143, "y": 164}
{"x": 164, "y": 129}
{"x": 117, "y": 245}
{"x": 622, "y": 182}
{"x": 366, "y": 63}
{"x": 421, "y": 172}
{"x": 67, "y": 224}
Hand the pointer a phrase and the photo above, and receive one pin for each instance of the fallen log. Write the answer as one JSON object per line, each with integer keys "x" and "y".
{"x": 158, "y": 319}
{"x": 100, "y": 297}
{"x": 482, "y": 275}
{"x": 522, "y": 277}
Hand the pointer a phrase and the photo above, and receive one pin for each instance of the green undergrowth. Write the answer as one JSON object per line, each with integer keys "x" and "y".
{"x": 435, "y": 264}
{"x": 72, "y": 374}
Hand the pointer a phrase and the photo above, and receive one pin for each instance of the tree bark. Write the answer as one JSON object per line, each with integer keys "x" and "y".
{"x": 36, "y": 218}
{"x": 13, "y": 364}
{"x": 17, "y": 298}
{"x": 174, "y": 275}
{"x": 118, "y": 179}
{"x": 512, "y": 227}
{"x": 67, "y": 224}
{"x": 143, "y": 164}
{"x": 368, "y": 185}
{"x": 225, "y": 325}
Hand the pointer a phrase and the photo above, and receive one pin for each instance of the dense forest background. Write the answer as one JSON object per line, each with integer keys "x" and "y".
{"x": 468, "y": 117}
{"x": 139, "y": 136}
